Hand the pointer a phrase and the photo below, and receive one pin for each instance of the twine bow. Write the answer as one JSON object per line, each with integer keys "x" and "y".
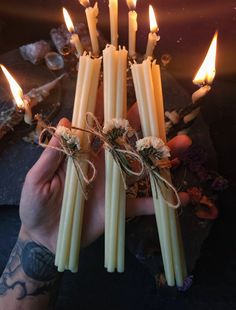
{"x": 154, "y": 161}
{"x": 119, "y": 148}
{"x": 158, "y": 178}
{"x": 70, "y": 146}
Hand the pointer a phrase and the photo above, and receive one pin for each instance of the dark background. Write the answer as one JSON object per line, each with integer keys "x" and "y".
{"x": 186, "y": 29}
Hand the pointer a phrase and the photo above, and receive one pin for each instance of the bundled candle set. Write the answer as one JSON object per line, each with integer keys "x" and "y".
{"x": 151, "y": 149}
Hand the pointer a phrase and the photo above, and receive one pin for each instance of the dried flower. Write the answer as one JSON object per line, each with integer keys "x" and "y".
{"x": 219, "y": 184}
{"x": 68, "y": 137}
{"x": 116, "y": 123}
{"x": 116, "y": 128}
{"x": 153, "y": 146}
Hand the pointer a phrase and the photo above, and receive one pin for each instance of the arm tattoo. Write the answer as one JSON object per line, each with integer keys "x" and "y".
{"x": 31, "y": 269}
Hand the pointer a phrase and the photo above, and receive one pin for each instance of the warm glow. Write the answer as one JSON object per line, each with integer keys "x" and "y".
{"x": 207, "y": 71}
{"x": 152, "y": 19}
{"x": 85, "y": 3}
{"x": 131, "y": 4}
{"x": 15, "y": 88}
{"x": 68, "y": 21}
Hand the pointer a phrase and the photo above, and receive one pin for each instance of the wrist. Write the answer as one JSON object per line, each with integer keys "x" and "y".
{"x": 37, "y": 237}
{"x": 30, "y": 273}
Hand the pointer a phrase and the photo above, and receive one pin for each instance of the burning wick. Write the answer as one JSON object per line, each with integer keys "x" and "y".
{"x": 207, "y": 71}
{"x": 74, "y": 40}
{"x": 153, "y": 38}
{"x": 22, "y": 103}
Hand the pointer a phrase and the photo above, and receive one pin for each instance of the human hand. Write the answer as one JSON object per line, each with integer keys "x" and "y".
{"x": 43, "y": 190}
{"x": 41, "y": 196}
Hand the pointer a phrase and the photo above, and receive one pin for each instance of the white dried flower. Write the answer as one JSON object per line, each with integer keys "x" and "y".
{"x": 116, "y": 123}
{"x": 70, "y": 138}
{"x": 153, "y": 142}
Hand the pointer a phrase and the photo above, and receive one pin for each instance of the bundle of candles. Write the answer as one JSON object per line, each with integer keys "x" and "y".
{"x": 148, "y": 88}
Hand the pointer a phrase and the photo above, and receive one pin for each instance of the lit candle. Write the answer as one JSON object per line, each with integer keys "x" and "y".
{"x": 74, "y": 40}
{"x": 206, "y": 73}
{"x": 133, "y": 27}
{"x": 21, "y": 102}
{"x": 153, "y": 38}
{"x": 91, "y": 15}
{"x": 113, "y": 10}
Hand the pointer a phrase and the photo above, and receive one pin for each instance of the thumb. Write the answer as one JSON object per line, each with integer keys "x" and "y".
{"x": 50, "y": 160}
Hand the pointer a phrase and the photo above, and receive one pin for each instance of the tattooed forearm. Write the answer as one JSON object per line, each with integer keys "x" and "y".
{"x": 31, "y": 270}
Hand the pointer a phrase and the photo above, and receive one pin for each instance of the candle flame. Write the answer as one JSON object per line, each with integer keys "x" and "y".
{"x": 152, "y": 19}
{"x": 207, "y": 71}
{"x": 85, "y": 3}
{"x": 15, "y": 88}
{"x": 68, "y": 21}
{"x": 131, "y": 4}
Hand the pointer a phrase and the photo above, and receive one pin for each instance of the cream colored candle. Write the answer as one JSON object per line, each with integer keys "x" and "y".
{"x": 68, "y": 243}
{"x": 133, "y": 27}
{"x": 74, "y": 40}
{"x": 109, "y": 72}
{"x": 66, "y": 218}
{"x": 88, "y": 96}
{"x": 121, "y": 230}
{"x": 179, "y": 262}
{"x": 200, "y": 93}
{"x": 144, "y": 90}
{"x": 115, "y": 100}
{"x": 92, "y": 19}
{"x": 117, "y": 226}
{"x": 167, "y": 222}
{"x": 113, "y": 11}
{"x": 153, "y": 38}
{"x": 66, "y": 197}
{"x": 28, "y": 112}
{"x": 140, "y": 91}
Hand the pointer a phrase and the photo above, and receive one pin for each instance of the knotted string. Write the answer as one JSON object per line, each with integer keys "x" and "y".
{"x": 120, "y": 155}
{"x": 71, "y": 151}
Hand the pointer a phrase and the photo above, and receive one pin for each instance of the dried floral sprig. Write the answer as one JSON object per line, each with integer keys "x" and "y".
{"x": 69, "y": 139}
{"x": 115, "y": 137}
{"x": 71, "y": 147}
{"x": 155, "y": 155}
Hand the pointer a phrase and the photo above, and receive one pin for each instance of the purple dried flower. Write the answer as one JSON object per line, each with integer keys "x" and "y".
{"x": 219, "y": 184}
{"x": 188, "y": 281}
